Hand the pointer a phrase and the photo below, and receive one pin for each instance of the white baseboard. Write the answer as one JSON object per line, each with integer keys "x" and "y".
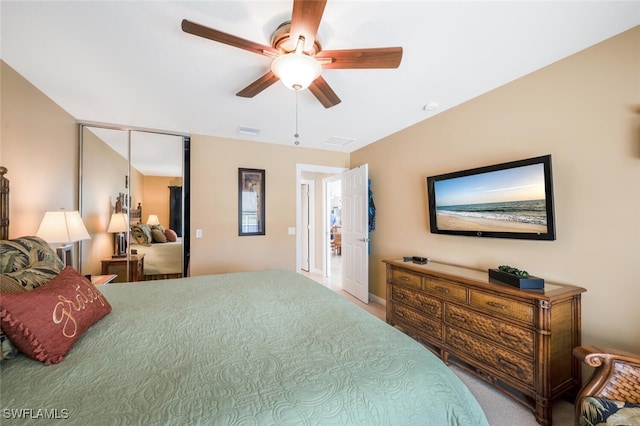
{"x": 378, "y": 299}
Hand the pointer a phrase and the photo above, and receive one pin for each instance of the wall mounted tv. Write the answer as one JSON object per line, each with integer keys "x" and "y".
{"x": 508, "y": 200}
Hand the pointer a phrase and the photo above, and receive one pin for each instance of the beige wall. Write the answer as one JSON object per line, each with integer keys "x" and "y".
{"x": 584, "y": 111}
{"x": 156, "y": 197}
{"x": 39, "y": 147}
{"x": 214, "y": 202}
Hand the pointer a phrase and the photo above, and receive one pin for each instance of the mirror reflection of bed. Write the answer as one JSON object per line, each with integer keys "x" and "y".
{"x": 161, "y": 246}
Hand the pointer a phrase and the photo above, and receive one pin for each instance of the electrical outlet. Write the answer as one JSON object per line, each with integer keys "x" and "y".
{"x": 198, "y": 233}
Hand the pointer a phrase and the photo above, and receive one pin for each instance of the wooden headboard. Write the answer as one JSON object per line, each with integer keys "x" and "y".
{"x": 4, "y": 204}
{"x": 122, "y": 206}
{"x": 135, "y": 215}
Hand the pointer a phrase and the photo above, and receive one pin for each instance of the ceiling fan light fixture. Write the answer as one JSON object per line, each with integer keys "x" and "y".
{"x": 296, "y": 70}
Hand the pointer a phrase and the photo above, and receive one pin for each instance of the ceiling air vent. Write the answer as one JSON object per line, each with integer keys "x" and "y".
{"x": 248, "y": 131}
{"x": 338, "y": 141}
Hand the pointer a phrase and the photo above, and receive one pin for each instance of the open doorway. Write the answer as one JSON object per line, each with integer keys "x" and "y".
{"x": 313, "y": 237}
{"x": 354, "y": 218}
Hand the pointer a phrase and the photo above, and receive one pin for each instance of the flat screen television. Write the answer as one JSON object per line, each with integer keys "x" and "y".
{"x": 508, "y": 200}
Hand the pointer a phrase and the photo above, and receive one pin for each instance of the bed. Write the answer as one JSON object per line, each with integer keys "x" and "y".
{"x": 161, "y": 260}
{"x": 266, "y": 347}
{"x": 163, "y": 250}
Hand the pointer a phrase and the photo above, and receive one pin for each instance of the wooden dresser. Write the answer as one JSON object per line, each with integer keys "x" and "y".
{"x": 520, "y": 341}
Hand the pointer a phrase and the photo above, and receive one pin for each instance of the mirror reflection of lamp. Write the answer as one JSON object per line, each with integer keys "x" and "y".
{"x": 153, "y": 220}
{"x": 118, "y": 225}
{"x": 63, "y": 227}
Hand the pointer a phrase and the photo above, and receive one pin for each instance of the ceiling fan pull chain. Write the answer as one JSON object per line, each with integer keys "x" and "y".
{"x": 296, "y": 135}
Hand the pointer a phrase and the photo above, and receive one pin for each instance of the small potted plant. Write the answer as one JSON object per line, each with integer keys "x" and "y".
{"x": 515, "y": 277}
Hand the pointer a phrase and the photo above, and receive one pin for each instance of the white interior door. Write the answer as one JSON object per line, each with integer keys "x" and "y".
{"x": 355, "y": 232}
{"x": 304, "y": 227}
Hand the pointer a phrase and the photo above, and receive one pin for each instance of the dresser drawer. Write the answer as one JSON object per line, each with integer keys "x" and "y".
{"x": 426, "y": 304}
{"x": 507, "y": 362}
{"x": 406, "y": 278}
{"x": 409, "y": 317}
{"x": 443, "y": 288}
{"x": 502, "y": 306}
{"x": 516, "y": 338}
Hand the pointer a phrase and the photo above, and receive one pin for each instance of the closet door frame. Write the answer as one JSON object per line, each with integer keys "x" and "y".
{"x": 87, "y": 254}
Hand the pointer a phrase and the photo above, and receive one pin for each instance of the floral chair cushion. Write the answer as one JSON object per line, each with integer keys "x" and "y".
{"x": 600, "y": 411}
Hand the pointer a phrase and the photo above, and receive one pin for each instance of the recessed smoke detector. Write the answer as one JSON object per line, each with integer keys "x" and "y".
{"x": 248, "y": 131}
{"x": 338, "y": 141}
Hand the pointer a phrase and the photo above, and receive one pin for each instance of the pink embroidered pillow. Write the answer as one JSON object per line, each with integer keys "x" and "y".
{"x": 45, "y": 323}
{"x": 171, "y": 235}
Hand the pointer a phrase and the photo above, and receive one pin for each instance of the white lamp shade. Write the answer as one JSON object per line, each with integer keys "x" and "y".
{"x": 118, "y": 223}
{"x": 62, "y": 227}
{"x": 296, "y": 71}
{"x": 153, "y": 220}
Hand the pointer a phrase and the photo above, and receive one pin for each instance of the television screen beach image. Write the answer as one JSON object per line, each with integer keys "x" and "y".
{"x": 508, "y": 200}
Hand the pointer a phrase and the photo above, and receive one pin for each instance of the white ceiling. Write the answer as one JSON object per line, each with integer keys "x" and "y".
{"x": 129, "y": 63}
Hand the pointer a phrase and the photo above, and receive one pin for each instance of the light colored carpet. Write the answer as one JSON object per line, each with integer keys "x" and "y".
{"x": 501, "y": 410}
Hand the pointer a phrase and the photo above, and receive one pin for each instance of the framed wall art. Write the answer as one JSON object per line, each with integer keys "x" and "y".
{"x": 251, "y": 202}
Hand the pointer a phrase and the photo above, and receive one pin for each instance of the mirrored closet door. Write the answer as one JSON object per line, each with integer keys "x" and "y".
{"x": 134, "y": 199}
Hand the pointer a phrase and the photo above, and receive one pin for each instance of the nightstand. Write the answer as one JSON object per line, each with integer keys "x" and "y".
{"x": 118, "y": 266}
{"x": 102, "y": 279}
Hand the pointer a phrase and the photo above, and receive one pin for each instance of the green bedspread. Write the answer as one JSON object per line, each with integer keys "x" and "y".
{"x": 255, "y": 348}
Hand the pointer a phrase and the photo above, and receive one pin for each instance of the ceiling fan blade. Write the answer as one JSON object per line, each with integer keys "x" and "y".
{"x": 305, "y": 20}
{"x": 325, "y": 94}
{"x": 381, "y": 57}
{"x": 231, "y": 40}
{"x": 258, "y": 86}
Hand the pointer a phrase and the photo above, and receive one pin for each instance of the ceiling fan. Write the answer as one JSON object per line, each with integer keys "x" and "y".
{"x": 298, "y": 58}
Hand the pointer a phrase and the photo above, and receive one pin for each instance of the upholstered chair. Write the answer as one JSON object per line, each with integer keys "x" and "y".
{"x": 612, "y": 394}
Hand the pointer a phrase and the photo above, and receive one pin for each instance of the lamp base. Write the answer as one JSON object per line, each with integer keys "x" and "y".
{"x": 66, "y": 254}
{"x": 121, "y": 246}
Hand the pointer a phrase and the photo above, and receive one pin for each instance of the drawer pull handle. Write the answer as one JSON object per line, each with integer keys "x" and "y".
{"x": 442, "y": 289}
{"x": 497, "y": 305}
{"x": 458, "y": 317}
{"x": 400, "y": 314}
{"x": 428, "y": 307}
{"x": 400, "y": 295}
{"x": 405, "y": 278}
{"x": 508, "y": 336}
{"x": 510, "y": 365}
{"x": 458, "y": 341}
{"x": 428, "y": 326}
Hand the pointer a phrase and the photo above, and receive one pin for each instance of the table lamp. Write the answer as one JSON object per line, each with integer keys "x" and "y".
{"x": 63, "y": 227}
{"x": 153, "y": 220}
{"x": 118, "y": 225}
